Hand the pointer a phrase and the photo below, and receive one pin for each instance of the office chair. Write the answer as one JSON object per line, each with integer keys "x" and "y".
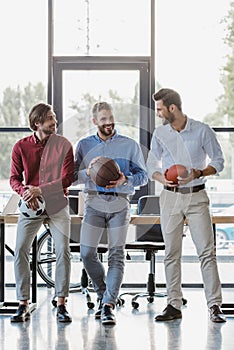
{"x": 149, "y": 239}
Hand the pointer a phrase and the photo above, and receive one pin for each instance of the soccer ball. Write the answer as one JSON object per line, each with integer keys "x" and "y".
{"x": 29, "y": 213}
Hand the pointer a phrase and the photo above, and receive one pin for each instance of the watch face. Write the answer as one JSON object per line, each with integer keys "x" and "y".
{"x": 125, "y": 182}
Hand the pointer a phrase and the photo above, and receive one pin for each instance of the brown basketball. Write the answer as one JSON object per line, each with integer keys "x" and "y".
{"x": 174, "y": 171}
{"x": 103, "y": 171}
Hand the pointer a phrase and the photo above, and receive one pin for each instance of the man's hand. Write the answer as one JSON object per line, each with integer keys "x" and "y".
{"x": 33, "y": 204}
{"x": 116, "y": 183}
{"x": 193, "y": 174}
{"x": 91, "y": 164}
{"x": 161, "y": 178}
{"x": 31, "y": 192}
{"x": 169, "y": 183}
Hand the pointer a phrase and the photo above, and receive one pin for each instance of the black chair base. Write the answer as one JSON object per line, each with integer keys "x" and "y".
{"x": 150, "y": 294}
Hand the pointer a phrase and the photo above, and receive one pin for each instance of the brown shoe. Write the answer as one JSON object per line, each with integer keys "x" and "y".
{"x": 216, "y": 314}
{"x": 169, "y": 313}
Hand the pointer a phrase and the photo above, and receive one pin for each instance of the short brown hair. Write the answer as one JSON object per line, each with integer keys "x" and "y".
{"x": 38, "y": 114}
{"x": 169, "y": 97}
{"x": 99, "y": 106}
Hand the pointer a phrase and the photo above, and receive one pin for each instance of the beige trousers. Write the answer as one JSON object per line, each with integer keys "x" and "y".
{"x": 175, "y": 207}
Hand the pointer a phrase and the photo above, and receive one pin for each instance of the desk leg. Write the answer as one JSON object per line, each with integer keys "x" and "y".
{"x": 227, "y": 308}
{"x": 2, "y": 262}
{"x": 214, "y": 230}
{"x": 34, "y": 271}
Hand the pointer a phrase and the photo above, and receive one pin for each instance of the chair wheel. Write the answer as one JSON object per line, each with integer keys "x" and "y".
{"x": 90, "y": 305}
{"x": 150, "y": 299}
{"x": 135, "y": 305}
{"x": 54, "y": 303}
{"x": 120, "y": 302}
{"x": 184, "y": 301}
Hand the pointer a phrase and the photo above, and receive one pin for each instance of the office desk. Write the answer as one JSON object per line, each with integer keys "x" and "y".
{"x": 76, "y": 219}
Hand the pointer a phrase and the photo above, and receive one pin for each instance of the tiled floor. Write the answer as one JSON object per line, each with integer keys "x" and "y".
{"x": 135, "y": 329}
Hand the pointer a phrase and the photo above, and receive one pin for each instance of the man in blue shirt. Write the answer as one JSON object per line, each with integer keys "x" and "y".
{"x": 107, "y": 207}
{"x": 181, "y": 140}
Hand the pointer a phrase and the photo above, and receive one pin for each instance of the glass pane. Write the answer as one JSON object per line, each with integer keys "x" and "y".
{"x": 81, "y": 89}
{"x": 223, "y": 185}
{"x": 191, "y": 56}
{"x": 23, "y": 68}
{"x": 7, "y": 140}
{"x": 97, "y": 28}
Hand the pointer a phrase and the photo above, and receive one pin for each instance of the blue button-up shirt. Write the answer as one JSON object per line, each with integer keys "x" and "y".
{"x": 189, "y": 147}
{"x": 124, "y": 150}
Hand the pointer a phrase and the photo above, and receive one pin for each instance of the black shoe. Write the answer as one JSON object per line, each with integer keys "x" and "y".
{"x": 62, "y": 314}
{"x": 216, "y": 314}
{"x": 22, "y": 314}
{"x": 99, "y": 311}
{"x": 107, "y": 316}
{"x": 169, "y": 313}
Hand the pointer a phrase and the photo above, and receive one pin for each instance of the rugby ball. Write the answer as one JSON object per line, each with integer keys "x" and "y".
{"x": 174, "y": 171}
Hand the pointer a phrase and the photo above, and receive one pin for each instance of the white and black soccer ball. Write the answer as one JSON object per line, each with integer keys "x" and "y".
{"x": 29, "y": 213}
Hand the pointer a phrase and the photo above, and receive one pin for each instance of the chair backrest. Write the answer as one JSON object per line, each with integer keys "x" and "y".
{"x": 149, "y": 205}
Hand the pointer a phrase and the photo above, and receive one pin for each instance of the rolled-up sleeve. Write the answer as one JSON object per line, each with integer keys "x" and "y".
{"x": 214, "y": 151}
{"x": 154, "y": 159}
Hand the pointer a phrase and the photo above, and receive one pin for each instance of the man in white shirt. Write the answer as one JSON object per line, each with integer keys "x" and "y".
{"x": 181, "y": 140}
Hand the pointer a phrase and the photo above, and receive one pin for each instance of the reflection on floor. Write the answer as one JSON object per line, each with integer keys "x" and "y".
{"x": 135, "y": 329}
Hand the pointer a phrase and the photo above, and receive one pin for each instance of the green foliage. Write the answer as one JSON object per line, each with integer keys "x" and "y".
{"x": 226, "y": 100}
{"x": 14, "y": 109}
{"x": 126, "y": 113}
{"x": 224, "y": 115}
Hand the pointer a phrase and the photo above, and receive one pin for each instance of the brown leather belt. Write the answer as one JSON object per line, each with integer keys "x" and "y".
{"x": 185, "y": 190}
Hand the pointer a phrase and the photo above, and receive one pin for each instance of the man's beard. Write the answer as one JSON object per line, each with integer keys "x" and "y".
{"x": 49, "y": 131}
{"x": 165, "y": 121}
{"x": 169, "y": 120}
{"x": 105, "y": 132}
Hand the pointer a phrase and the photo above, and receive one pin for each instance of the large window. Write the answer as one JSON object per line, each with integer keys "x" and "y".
{"x": 23, "y": 72}
{"x": 102, "y": 28}
{"x": 192, "y": 53}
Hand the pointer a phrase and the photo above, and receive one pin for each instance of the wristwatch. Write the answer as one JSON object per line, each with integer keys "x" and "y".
{"x": 125, "y": 181}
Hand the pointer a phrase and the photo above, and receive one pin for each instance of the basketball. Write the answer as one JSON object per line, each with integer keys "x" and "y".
{"x": 29, "y": 213}
{"x": 103, "y": 171}
{"x": 174, "y": 171}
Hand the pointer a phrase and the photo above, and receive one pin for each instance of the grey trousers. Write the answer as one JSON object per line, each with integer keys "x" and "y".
{"x": 27, "y": 229}
{"x": 195, "y": 207}
{"x": 113, "y": 214}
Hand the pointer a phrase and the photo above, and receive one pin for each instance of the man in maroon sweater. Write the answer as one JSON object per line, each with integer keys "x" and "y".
{"x": 42, "y": 166}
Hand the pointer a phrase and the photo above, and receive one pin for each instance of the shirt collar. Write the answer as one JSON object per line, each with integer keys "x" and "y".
{"x": 36, "y": 139}
{"x": 188, "y": 124}
{"x": 186, "y": 128}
